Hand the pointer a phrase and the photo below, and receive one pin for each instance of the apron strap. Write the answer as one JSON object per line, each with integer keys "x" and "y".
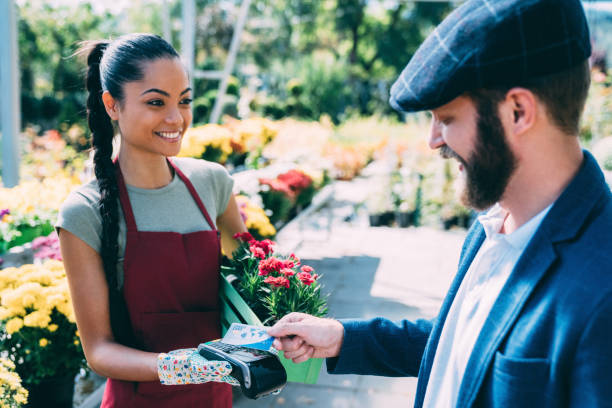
{"x": 194, "y": 194}
{"x": 125, "y": 201}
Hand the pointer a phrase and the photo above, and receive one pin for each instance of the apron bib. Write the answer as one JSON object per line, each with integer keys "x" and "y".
{"x": 171, "y": 288}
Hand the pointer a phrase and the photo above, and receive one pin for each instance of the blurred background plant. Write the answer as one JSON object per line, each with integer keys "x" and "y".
{"x": 39, "y": 332}
{"x": 12, "y": 393}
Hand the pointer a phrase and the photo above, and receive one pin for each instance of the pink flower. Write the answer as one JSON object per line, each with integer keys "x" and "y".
{"x": 307, "y": 269}
{"x": 306, "y": 278}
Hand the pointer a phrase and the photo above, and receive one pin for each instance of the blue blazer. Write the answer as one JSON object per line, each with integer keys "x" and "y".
{"x": 548, "y": 339}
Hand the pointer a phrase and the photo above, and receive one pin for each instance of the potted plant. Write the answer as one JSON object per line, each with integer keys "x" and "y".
{"x": 17, "y": 228}
{"x": 38, "y": 331}
{"x": 12, "y": 393}
{"x": 260, "y": 287}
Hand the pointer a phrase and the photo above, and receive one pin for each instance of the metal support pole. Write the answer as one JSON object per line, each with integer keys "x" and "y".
{"x": 166, "y": 22}
{"x": 10, "y": 119}
{"x": 231, "y": 59}
{"x": 188, "y": 37}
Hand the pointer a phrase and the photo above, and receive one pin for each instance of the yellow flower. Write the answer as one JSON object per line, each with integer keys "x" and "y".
{"x": 38, "y": 318}
{"x": 43, "y": 342}
{"x": 14, "y": 325}
{"x": 52, "y": 327}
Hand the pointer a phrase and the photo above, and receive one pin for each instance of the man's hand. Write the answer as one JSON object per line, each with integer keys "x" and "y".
{"x": 302, "y": 336}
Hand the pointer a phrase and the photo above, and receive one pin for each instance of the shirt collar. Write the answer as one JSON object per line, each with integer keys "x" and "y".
{"x": 493, "y": 220}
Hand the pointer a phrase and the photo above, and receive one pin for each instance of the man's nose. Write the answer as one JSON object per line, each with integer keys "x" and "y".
{"x": 435, "y": 136}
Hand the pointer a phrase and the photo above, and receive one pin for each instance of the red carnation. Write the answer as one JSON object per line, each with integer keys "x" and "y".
{"x": 244, "y": 236}
{"x": 267, "y": 266}
{"x": 257, "y": 252}
{"x": 306, "y": 278}
{"x": 277, "y": 282}
{"x": 307, "y": 269}
{"x": 295, "y": 259}
{"x": 288, "y": 272}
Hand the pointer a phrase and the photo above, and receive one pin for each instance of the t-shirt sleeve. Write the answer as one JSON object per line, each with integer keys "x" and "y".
{"x": 224, "y": 183}
{"x": 81, "y": 217}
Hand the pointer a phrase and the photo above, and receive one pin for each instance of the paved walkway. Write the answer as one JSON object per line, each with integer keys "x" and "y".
{"x": 391, "y": 272}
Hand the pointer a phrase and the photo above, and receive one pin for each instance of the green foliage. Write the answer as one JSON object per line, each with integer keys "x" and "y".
{"x": 342, "y": 55}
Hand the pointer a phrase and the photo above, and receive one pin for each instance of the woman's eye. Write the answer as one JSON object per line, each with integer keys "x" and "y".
{"x": 186, "y": 101}
{"x": 156, "y": 102}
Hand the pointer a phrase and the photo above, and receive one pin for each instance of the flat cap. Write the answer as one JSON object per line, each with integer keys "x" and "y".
{"x": 485, "y": 43}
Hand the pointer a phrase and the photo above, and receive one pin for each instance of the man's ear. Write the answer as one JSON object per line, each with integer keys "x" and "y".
{"x": 111, "y": 105}
{"x": 521, "y": 108}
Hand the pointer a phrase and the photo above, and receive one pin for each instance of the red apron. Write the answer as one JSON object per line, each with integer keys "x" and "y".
{"x": 171, "y": 287}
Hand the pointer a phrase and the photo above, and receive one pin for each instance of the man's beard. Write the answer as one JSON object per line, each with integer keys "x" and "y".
{"x": 491, "y": 164}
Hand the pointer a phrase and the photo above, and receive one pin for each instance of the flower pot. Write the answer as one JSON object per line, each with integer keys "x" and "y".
{"x": 235, "y": 310}
{"x": 53, "y": 392}
{"x": 404, "y": 218}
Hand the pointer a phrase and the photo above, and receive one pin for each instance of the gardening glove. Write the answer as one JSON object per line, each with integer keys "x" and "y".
{"x": 187, "y": 366}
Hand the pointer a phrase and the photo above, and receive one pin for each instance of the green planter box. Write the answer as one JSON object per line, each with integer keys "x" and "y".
{"x": 235, "y": 310}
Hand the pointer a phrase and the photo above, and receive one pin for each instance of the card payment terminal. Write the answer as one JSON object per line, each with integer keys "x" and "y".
{"x": 259, "y": 372}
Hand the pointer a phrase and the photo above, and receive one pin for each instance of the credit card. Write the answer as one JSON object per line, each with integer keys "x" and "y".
{"x": 248, "y": 336}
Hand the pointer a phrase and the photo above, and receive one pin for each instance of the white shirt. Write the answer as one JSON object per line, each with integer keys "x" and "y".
{"x": 478, "y": 292}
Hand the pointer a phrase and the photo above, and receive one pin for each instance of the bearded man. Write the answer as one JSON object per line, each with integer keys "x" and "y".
{"x": 528, "y": 317}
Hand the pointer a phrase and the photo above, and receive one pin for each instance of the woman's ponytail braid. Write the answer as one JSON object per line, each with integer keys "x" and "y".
{"x": 102, "y": 140}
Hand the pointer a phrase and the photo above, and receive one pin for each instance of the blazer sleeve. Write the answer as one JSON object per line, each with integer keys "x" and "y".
{"x": 381, "y": 347}
{"x": 591, "y": 377}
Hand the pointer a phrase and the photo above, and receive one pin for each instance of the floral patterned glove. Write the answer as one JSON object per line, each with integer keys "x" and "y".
{"x": 187, "y": 366}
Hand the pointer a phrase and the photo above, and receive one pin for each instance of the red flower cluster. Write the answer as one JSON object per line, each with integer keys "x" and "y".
{"x": 278, "y": 272}
{"x": 290, "y": 183}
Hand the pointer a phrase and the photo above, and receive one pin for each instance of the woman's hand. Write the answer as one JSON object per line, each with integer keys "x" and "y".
{"x": 187, "y": 366}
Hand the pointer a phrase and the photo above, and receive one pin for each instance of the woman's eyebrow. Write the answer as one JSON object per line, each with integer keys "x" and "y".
{"x": 155, "y": 90}
{"x": 163, "y": 92}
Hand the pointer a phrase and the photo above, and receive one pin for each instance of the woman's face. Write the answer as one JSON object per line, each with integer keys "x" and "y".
{"x": 155, "y": 111}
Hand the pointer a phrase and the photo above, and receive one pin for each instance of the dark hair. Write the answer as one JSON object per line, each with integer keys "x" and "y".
{"x": 110, "y": 66}
{"x": 563, "y": 93}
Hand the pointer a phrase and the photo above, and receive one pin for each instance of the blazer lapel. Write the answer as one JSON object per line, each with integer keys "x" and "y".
{"x": 473, "y": 241}
{"x": 563, "y": 222}
{"x": 531, "y": 267}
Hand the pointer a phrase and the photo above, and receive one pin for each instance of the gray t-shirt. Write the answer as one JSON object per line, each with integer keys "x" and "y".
{"x": 170, "y": 208}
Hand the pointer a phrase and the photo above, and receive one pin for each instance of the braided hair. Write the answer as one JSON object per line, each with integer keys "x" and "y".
{"x": 110, "y": 66}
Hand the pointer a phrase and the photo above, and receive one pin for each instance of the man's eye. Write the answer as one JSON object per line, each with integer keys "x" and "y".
{"x": 156, "y": 102}
{"x": 186, "y": 101}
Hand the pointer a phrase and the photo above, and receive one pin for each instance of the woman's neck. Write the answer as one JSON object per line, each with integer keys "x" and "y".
{"x": 150, "y": 173}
